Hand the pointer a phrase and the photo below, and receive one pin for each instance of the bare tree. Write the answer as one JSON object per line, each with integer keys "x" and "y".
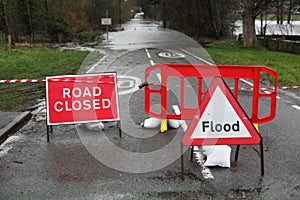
{"x": 8, "y": 25}
{"x": 29, "y": 21}
{"x": 249, "y": 11}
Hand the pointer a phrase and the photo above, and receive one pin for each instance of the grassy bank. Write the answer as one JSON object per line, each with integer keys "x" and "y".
{"x": 32, "y": 63}
{"x": 287, "y": 65}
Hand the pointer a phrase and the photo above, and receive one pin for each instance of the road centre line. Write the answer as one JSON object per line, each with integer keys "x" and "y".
{"x": 149, "y": 56}
{"x": 152, "y": 63}
{"x": 159, "y": 77}
{"x": 206, "y": 173}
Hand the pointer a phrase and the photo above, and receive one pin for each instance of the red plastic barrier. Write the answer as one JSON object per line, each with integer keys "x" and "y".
{"x": 200, "y": 72}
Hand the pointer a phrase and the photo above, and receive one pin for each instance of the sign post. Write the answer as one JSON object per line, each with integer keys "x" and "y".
{"x": 82, "y": 99}
{"x": 106, "y": 22}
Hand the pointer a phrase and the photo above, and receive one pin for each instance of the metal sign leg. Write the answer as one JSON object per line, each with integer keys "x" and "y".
{"x": 182, "y": 162}
{"x": 192, "y": 153}
{"x": 262, "y": 164}
{"x": 237, "y": 153}
{"x": 49, "y": 129}
{"x": 119, "y": 127}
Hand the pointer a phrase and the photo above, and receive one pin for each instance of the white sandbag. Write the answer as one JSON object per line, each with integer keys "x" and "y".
{"x": 151, "y": 123}
{"x": 217, "y": 155}
{"x": 174, "y": 123}
{"x": 95, "y": 126}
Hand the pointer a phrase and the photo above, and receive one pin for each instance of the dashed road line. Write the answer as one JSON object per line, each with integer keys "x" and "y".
{"x": 148, "y": 54}
{"x": 158, "y": 75}
{"x": 150, "y": 57}
{"x": 152, "y": 63}
{"x": 206, "y": 173}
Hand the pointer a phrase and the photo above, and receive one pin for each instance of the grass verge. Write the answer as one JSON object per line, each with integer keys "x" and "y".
{"x": 32, "y": 63}
{"x": 233, "y": 53}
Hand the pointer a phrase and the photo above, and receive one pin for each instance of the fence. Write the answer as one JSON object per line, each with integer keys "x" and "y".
{"x": 280, "y": 44}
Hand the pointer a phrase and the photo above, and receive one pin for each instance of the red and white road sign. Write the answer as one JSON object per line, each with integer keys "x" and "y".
{"x": 82, "y": 98}
{"x": 220, "y": 120}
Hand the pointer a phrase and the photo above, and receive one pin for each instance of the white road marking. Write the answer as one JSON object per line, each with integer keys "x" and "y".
{"x": 133, "y": 86}
{"x": 247, "y": 82}
{"x": 98, "y": 63}
{"x": 199, "y": 156}
{"x": 152, "y": 63}
{"x": 159, "y": 77}
{"x": 177, "y": 112}
{"x": 203, "y": 60}
{"x": 297, "y": 107}
{"x": 209, "y": 63}
{"x": 171, "y": 55}
{"x": 149, "y": 56}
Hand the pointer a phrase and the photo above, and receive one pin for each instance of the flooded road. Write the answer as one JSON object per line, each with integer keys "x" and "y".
{"x": 80, "y": 163}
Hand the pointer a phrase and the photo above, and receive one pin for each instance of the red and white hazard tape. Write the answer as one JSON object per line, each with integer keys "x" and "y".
{"x": 53, "y": 80}
{"x": 39, "y": 81}
{"x": 272, "y": 88}
{"x": 288, "y": 87}
{"x": 22, "y": 81}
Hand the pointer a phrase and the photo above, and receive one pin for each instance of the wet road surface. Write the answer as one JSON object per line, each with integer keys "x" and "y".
{"x": 82, "y": 164}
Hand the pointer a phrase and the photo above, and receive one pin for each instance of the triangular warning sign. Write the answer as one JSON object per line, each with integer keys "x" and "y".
{"x": 220, "y": 120}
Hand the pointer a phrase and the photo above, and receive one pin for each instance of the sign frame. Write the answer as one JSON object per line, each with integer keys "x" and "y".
{"x": 87, "y": 80}
{"x": 106, "y": 21}
{"x": 219, "y": 83}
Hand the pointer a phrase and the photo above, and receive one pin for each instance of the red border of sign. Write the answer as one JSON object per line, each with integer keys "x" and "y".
{"x": 71, "y": 77}
{"x": 255, "y": 139}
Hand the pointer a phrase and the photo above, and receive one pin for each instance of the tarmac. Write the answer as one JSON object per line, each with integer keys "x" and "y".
{"x": 10, "y": 122}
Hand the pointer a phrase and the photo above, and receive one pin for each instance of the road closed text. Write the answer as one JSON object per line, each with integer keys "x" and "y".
{"x": 82, "y": 99}
{"x": 76, "y": 99}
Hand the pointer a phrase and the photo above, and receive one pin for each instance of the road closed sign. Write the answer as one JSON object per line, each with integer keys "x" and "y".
{"x": 82, "y": 99}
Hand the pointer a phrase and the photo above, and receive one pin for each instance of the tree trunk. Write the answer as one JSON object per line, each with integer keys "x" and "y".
{"x": 9, "y": 47}
{"x": 30, "y": 22}
{"x": 290, "y": 11}
{"x": 6, "y": 17}
{"x": 248, "y": 18}
{"x": 277, "y": 11}
{"x": 281, "y": 12}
